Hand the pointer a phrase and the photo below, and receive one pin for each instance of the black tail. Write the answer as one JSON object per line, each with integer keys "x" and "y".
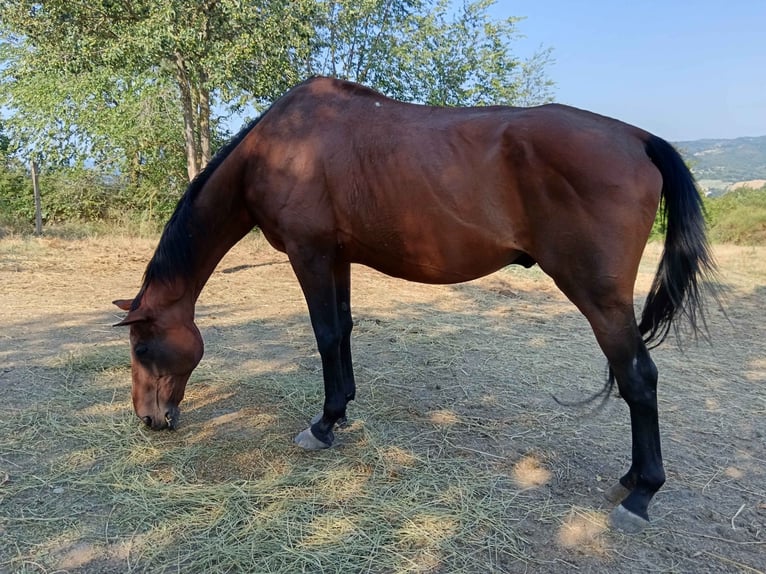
{"x": 686, "y": 260}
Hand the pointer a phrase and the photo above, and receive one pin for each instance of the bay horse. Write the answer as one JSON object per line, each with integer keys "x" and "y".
{"x": 334, "y": 173}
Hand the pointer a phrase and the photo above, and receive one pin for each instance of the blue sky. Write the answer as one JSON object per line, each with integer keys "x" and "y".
{"x": 681, "y": 69}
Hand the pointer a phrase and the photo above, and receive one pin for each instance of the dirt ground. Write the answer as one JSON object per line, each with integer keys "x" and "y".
{"x": 456, "y": 440}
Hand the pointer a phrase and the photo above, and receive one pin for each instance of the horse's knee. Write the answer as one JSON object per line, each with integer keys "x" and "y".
{"x": 346, "y": 322}
{"x": 328, "y": 341}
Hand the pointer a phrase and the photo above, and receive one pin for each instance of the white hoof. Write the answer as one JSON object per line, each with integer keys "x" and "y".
{"x": 625, "y": 521}
{"x": 308, "y": 441}
{"x": 617, "y": 493}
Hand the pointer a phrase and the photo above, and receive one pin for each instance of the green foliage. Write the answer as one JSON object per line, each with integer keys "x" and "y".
{"x": 67, "y": 194}
{"x": 12, "y": 179}
{"x": 738, "y": 217}
{"x": 12, "y": 205}
{"x": 132, "y": 85}
{"x": 425, "y": 51}
{"x": 467, "y": 59}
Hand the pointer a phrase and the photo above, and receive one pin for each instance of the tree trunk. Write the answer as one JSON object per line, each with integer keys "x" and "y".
{"x": 187, "y": 103}
{"x": 204, "y": 120}
{"x": 38, "y": 201}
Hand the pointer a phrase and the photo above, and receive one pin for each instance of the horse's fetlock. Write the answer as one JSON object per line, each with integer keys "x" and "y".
{"x": 654, "y": 478}
{"x": 334, "y": 407}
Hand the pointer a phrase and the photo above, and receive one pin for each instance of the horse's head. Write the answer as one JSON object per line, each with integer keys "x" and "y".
{"x": 165, "y": 347}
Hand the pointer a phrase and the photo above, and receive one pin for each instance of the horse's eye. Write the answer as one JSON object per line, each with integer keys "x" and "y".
{"x": 140, "y": 349}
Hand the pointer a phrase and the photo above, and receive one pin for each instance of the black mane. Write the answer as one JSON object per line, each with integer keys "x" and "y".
{"x": 175, "y": 253}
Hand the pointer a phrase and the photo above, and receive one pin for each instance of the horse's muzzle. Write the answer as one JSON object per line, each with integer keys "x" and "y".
{"x": 168, "y": 421}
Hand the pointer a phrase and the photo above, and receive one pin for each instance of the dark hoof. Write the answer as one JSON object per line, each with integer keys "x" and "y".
{"x": 308, "y": 441}
{"x": 617, "y": 493}
{"x": 625, "y": 521}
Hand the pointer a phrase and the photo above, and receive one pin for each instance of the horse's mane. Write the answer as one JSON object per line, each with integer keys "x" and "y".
{"x": 175, "y": 253}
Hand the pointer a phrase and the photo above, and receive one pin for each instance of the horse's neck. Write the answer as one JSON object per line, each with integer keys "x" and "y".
{"x": 202, "y": 230}
{"x": 222, "y": 219}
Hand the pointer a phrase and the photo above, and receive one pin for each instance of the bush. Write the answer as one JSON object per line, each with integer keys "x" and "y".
{"x": 66, "y": 195}
{"x": 71, "y": 195}
{"x": 738, "y": 217}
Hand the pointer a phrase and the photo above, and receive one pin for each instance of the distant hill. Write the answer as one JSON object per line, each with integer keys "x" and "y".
{"x": 719, "y": 163}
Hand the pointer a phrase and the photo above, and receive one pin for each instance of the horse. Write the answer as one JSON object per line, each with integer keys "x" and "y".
{"x": 335, "y": 173}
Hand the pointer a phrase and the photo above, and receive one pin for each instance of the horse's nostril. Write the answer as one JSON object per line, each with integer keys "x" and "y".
{"x": 147, "y": 420}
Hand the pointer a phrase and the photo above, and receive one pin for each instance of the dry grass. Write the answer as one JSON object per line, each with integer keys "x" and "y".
{"x": 103, "y": 486}
{"x": 457, "y": 459}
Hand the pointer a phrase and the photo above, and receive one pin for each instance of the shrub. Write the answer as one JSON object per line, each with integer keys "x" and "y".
{"x": 738, "y": 217}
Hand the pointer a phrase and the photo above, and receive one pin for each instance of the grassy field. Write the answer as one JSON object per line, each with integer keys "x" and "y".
{"x": 457, "y": 459}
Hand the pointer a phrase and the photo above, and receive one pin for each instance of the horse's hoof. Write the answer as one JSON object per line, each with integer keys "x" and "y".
{"x": 617, "y": 493}
{"x": 308, "y": 441}
{"x": 625, "y": 521}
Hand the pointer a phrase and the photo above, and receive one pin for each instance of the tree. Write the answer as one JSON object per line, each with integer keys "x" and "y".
{"x": 12, "y": 177}
{"x": 428, "y": 52}
{"x": 65, "y": 59}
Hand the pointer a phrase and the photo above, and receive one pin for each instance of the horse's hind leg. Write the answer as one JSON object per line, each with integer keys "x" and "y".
{"x": 609, "y": 309}
{"x": 637, "y": 381}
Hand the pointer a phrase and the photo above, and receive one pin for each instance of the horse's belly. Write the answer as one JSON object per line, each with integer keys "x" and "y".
{"x": 435, "y": 262}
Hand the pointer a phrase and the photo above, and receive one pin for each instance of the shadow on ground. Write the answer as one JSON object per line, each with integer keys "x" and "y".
{"x": 457, "y": 459}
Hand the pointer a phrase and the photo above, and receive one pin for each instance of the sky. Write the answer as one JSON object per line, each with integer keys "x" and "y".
{"x": 682, "y": 69}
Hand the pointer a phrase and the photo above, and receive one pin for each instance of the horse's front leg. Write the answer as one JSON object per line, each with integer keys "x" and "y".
{"x": 342, "y": 278}
{"x": 315, "y": 273}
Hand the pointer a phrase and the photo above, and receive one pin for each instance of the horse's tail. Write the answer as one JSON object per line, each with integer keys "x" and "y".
{"x": 686, "y": 259}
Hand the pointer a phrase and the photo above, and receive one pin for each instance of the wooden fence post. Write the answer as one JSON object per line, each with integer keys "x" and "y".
{"x": 38, "y": 201}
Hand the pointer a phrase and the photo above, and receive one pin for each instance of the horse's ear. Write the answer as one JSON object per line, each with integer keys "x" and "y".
{"x": 133, "y": 316}
{"x": 124, "y": 304}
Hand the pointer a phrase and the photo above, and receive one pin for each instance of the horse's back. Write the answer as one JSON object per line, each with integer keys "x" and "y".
{"x": 448, "y": 194}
